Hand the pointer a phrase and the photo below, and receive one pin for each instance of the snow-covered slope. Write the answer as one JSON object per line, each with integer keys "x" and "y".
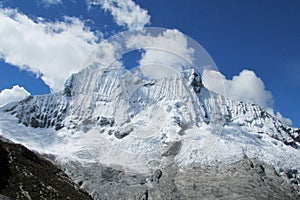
{"x": 117, "y": 118}
{"x": 96, "y": 98}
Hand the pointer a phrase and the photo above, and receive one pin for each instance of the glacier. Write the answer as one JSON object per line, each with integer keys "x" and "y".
{"x": 119, "y": 119}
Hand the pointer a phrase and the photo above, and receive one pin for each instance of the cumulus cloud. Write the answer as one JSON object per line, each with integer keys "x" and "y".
{"x": 170, "y": 41}
{"x": 246, "y": 87}
{"x": 16, "y": 93}
{"x": 52, "y": 50}
{"x": 125, "y": 13}
{"x": 164, "y": 53}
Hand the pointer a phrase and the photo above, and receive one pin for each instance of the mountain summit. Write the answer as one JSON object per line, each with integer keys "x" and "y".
{"x": 153, "y": 131}
{"x": 113, "y": 125}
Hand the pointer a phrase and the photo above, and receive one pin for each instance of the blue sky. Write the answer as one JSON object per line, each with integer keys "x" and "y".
{"x": 259, "y": 35}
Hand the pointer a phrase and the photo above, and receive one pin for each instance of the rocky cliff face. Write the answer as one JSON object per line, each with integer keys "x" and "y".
{"x": 41, "y": 111}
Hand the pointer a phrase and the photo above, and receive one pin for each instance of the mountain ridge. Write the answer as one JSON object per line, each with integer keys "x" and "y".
{"x": 116, "y": 120}
{"x": 51, "y": 110}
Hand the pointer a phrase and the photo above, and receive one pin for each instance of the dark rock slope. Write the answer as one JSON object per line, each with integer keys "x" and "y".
{"x": 25, "y": 175}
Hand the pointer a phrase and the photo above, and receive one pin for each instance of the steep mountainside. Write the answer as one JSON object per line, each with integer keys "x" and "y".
{"x": 114, "y": 97}
{"x": 25, "y": 175}
{"x": 132, "y": 131}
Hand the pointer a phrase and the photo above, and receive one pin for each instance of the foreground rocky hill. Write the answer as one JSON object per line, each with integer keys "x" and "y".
{"x": 25, "y": 175}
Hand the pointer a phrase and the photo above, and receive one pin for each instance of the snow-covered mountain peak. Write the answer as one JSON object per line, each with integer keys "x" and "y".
{"x": 117, "y": 112}
{"x": 145, "y": 119}
{"x": 95, "y": 93}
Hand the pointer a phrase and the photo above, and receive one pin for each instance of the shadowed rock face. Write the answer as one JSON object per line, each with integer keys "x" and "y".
{"x": 25, "y": 175}
{"x": 4, "y": 168}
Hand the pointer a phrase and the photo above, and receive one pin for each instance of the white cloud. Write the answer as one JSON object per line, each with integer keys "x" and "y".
{"x": 16, "y": 93}
{"x": 214, "y": 81}
{"x": 279, "y": 116}
{"x": 283, "y": 119}
{"x": 171, "y": 41}
{"x": 246, "y": 87}
{"x": 104, "y": 55}
{"x": 53, "y": 50}
{"x": 163, "y": 53}
{"x": 125, "y": 12}
{"x": 48, "y": 3}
